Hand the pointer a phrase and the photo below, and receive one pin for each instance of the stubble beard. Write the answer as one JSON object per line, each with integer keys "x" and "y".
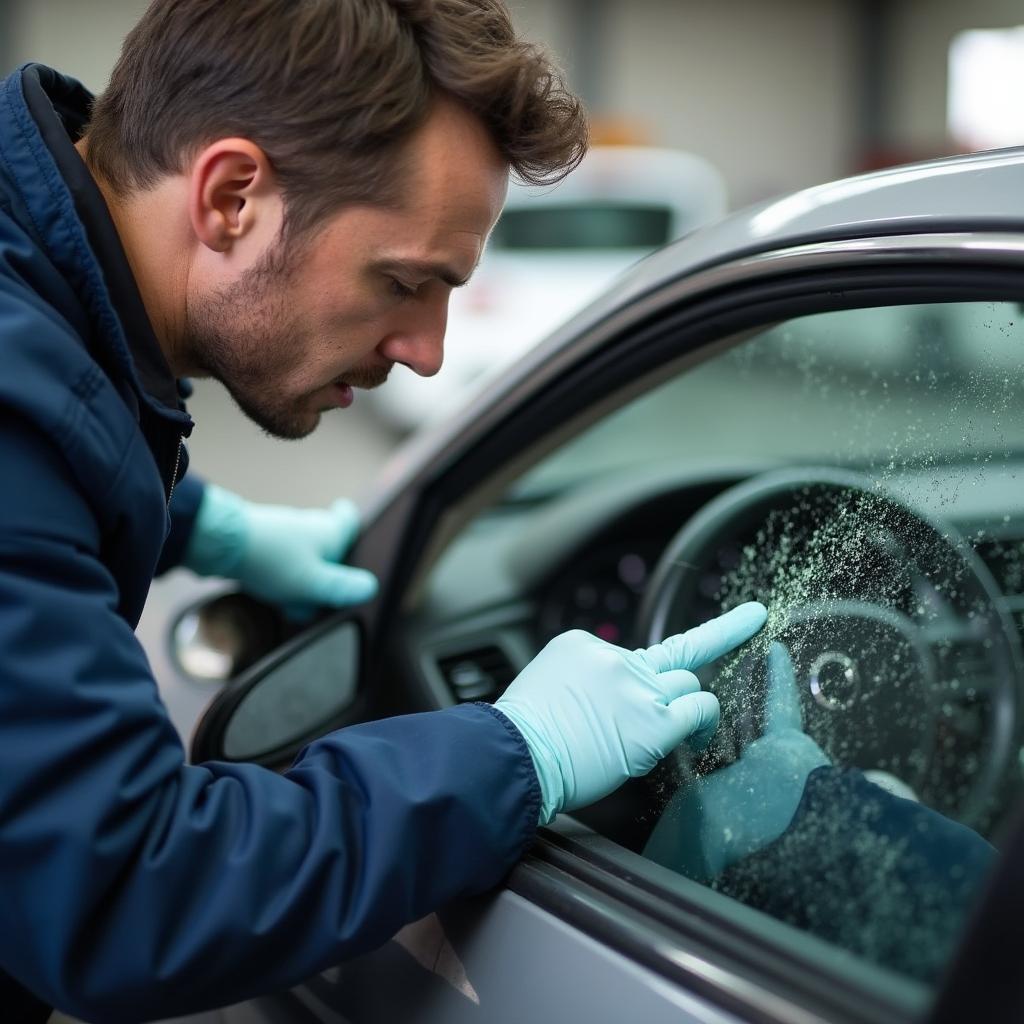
{"x": 243, "y": 336}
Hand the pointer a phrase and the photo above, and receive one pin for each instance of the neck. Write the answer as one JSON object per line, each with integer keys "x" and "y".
{"x": 157, "y": 250}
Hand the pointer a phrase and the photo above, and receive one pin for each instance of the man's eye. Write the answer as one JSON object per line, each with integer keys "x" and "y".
{"x": 403, "y": 291}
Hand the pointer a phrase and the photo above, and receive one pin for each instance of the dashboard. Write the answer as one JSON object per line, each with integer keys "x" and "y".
{"x": 584, "y": 557}
{"x": 526, "y": 571}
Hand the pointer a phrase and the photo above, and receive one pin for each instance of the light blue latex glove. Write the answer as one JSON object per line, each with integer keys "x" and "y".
{"x": 716, "y": 820}
{"x": 594, "y": 715}
{"x": 285, "y": 555}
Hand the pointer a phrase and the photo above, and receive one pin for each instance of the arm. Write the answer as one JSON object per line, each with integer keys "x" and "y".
{"x": 882, "y": 876}
{"x": 138, "y": 885}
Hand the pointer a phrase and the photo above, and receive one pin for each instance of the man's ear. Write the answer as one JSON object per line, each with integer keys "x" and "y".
{"x": 232, "y": 194}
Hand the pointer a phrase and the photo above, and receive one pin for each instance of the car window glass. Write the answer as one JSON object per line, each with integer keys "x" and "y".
{"x": 597, "y": 225}
{"x": 860, "y": 472}
{"x": 873, "y": 385}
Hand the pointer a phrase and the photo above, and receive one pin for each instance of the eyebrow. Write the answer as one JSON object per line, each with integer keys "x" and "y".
{"x": 425, "y": 268}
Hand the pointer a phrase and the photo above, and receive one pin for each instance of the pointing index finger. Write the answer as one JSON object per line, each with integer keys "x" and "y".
{"x": 708, "y": 641}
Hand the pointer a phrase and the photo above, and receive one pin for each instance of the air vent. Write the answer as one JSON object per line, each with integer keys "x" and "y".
{"x": 479, "y": 674}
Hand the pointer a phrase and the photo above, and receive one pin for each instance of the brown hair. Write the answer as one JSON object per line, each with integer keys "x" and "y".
{"x": 330, "y": 90}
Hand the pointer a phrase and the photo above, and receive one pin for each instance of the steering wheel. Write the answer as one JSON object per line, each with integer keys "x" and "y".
{"x": 906, "y": 660}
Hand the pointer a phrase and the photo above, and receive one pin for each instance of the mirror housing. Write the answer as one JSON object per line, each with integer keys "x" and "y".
{"x": 302, "y": 690}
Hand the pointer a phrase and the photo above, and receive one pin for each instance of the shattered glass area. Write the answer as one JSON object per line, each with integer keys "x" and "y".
{"x": 880, "y": 517}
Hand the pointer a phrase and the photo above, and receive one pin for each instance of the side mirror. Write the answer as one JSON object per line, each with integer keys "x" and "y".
{"x": 299, "y": 692}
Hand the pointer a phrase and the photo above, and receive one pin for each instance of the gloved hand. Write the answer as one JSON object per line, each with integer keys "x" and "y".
{"x": 286, "y": 555}
{"x": 738, "y": 810}
{"x": 594, "y": 715}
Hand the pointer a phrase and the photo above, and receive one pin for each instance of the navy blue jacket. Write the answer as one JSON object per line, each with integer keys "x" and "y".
{"x": 134, "y": 884}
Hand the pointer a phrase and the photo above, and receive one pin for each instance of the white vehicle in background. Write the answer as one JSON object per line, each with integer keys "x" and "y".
{"x": 555, "y": 249}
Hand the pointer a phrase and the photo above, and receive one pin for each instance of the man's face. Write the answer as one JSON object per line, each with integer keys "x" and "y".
{"x": 293, "y": 334}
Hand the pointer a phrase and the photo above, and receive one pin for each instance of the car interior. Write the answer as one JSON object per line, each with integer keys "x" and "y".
{"x": 855, "y": 470}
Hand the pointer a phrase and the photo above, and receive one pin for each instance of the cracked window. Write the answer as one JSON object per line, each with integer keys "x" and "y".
{"x": 869, "y": 746}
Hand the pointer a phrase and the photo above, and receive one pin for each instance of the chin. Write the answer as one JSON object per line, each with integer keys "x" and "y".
{"x": 283, "y": 423}
{"x": 294, "y": 427}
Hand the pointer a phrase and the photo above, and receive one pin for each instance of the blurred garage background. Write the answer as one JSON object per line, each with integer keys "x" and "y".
{"x": 775, "y": 94}
{"x": 768, "y": 95}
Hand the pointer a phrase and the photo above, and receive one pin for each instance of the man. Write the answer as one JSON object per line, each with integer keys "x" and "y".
{"x": 282, "y": 196}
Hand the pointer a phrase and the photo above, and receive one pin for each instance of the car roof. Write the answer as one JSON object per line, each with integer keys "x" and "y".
{"x": 974, "y": 192}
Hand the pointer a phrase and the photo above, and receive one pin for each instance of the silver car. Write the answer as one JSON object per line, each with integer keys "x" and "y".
{"x": 818, "y": 403}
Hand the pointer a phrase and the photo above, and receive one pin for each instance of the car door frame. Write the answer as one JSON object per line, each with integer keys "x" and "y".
{"x": 563, "y": 377}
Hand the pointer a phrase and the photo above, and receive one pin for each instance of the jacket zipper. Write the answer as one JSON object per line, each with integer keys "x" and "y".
{"x": 174, "y": 475}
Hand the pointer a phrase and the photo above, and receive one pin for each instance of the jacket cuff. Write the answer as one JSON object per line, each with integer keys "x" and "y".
{"x": 533, "y": 799}
{"x": 219, "y": 535}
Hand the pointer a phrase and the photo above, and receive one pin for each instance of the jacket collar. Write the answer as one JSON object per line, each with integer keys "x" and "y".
{"x": 50, "y": 111}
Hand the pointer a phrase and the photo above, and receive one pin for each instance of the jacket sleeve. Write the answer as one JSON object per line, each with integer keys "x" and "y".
{"x": 136, "y": 885}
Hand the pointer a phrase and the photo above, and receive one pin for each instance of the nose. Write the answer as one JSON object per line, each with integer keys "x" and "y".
{"x": 419, "y": 342}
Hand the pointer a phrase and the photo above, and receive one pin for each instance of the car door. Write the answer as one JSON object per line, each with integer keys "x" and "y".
{"x": 849, "y": 412}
